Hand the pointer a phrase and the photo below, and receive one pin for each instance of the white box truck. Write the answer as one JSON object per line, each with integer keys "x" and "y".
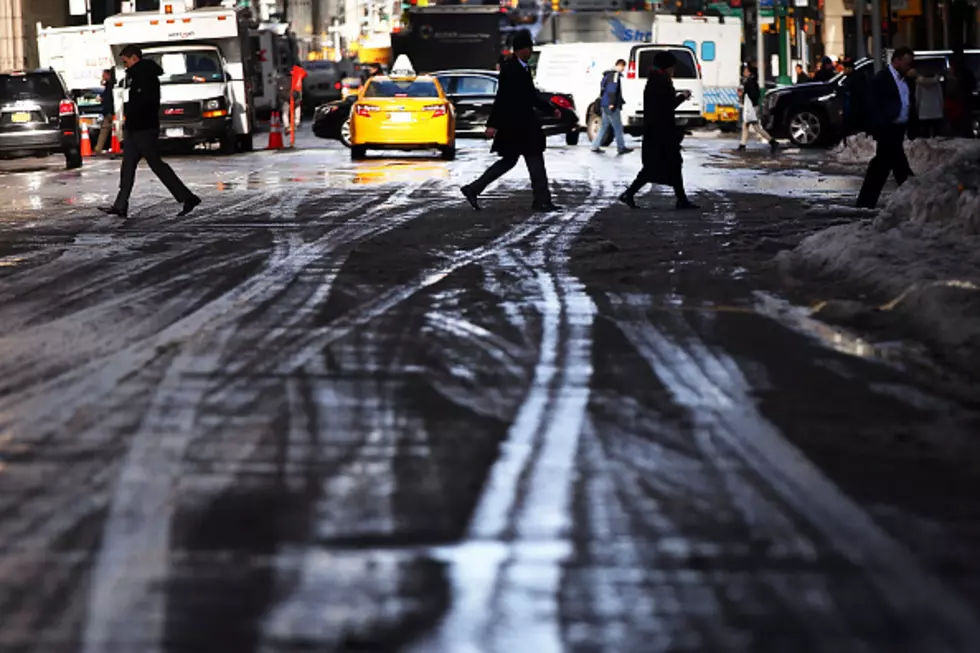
{"x": 206, "y": 87}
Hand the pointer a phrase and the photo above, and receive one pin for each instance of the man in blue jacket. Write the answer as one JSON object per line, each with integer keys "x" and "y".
{"x": 611, "y": 101}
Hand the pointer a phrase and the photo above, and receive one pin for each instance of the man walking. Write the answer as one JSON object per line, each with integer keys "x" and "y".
{"x": 750, "y": 114}
{"x": 662, "y": 160}
{"x": 889, "y": 104}
{"x": 108, "y": 109}
{"x": 611, "y": 101}
{"x": 515, "y": 129}
{"x": 142, "y": 133}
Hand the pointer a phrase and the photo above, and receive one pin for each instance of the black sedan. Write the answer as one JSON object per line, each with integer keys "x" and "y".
{"x": 472, "y": 93}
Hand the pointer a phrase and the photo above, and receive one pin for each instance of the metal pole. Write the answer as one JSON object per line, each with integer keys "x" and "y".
{"x": 931, "y": 24}
{"x": 876, "y": 33}
{"x": 861, "y": 47}
{"x": 780, "y": 11}
{"x": 760, "y": 45}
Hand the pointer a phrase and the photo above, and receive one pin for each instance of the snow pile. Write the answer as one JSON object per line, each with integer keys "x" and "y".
{"x": 919, "y": 259}
{"x": 923, "y": 153}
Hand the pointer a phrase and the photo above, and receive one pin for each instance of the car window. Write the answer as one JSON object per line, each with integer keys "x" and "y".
{"x": 708, "y": 51}
{"x": 41, "y": 86}
{"x": 474, "y": 85}
{"x": 686, "y": 67}
{"x": 401, "y": 88}
{"x": 88, "y": 99}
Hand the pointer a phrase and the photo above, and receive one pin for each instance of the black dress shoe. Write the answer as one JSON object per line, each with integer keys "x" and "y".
{"x": 111, "y": 210}
{"x": 544, "y": 208}
{"x": 686, "y": 205}
{"x": 190, "y": 205}
{"x": 470, "y": 196}
{"x": 627, "y": 199}
{"x": 625, "y": 150}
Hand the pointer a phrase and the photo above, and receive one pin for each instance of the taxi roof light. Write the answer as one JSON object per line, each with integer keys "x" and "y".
{"x": 403, "y": 67}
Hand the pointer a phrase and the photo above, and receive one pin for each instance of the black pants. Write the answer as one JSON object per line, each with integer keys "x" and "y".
{"x": 645, "y": 176}
{"x": 144, "y": 144}
{"x": 889, "y": 159}
{"x": 535, "y": 168}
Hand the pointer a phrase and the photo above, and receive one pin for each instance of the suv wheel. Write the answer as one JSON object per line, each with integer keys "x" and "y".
{"x": 592, "y": 129}
{"x": 345, "y": 133}
{"x": 73, "y": 159}
{"x": 807, "y": 128}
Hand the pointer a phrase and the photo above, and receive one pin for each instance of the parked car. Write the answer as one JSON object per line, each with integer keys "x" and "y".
{"x": 38, "y": 117}
{"x": 323, "y": 83}
{"x": 472, "y": 93}
{"x": 89, "y": 103}
{"x": 815, "y": 114}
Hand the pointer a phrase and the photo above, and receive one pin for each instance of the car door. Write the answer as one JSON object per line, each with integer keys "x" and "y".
{"x": 473, "y": 97}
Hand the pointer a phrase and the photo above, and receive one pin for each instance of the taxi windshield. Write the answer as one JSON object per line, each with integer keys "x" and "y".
{"x": 401, "y": 88}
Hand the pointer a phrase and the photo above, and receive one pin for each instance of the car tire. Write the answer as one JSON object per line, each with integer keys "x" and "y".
{"x": 73, "y": 160}
{"x": 345, "y": 133}
{"x": 245, "y": 143}
{"x": 593, "y": 127}
{"x": 449, "y": 153}
{"x": 571, "y": 138}
{"x": 357, "y": 152}
{"x": 229, "y": 143}
{"x": 808, "y": 128}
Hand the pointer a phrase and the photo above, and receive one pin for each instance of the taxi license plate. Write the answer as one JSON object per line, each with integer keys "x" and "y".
{"x": 22, "y": 116}
{"x": 174, "y": 132}
{"x": 400, "y": 116}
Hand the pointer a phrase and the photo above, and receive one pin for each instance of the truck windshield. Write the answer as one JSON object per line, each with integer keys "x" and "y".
{"x": 191, "y": 67}
{"x": 406, "y": 88}
{"x": 34, "y": 86}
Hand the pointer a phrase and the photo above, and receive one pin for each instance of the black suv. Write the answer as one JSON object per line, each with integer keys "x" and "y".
{"x": 814, "y": 114}
{"x": 38, "y": 117}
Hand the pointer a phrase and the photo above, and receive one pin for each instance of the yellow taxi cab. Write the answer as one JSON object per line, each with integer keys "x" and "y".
{"x": 402, "y": 111}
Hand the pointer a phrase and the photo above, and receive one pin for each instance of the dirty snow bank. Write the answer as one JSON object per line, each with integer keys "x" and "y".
{"x": 924, "y": 153}
{"x": 919, "y": 259}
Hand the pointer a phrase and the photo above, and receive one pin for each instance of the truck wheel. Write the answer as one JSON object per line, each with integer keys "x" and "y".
{"x": 449, "y": 152}
{"x": 229, "y": 143}
{"x": 73, "y": 159}
{"x": 357, "y": 152}
{"x": 245, "y": 143}
{"x": 571, "y": 138}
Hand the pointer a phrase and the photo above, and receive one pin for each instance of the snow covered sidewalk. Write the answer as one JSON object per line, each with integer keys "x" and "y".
{"x": 919, "y": 259}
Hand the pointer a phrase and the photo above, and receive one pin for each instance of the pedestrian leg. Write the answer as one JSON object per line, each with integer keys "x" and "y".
{"x": 745, "y": 136}
{"x": 877, "y": 174}
{"x": 616, "y": 120}
{"x": 900, "y": 166}
{"x": 641, "y": 180}
{"x": 127, "y": 173}
{"x": 603, "y": 128}
{"x": 493, "y": 173}
{"x": 104, "y": 132}
{"x": 539, "y": 178}
{"x": 761, "y": 133}
{"x": 151, "y": 152}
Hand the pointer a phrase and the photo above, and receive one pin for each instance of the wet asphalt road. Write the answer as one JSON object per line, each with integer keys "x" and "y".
{"x": 336, "y": 410}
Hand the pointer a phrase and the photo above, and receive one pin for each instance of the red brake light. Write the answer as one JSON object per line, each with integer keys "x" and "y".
{"x": 436, "y": 109}
{"x": 338, "y": 85}
{"x": 365, "y": 110}
{"x": 559, "y": 101}
{"x": 66, "y": 108}
{"x": 631, "y": 70}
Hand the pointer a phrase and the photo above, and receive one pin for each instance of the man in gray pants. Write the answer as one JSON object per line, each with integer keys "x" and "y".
{"x": 142, "y": 134}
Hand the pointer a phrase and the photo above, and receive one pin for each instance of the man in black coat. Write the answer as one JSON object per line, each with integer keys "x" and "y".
{"x": 890, "y": 101}
{"x": 514, "y": 127}
{"x": 142, "y": 133}
{"x": 662, "y": 160}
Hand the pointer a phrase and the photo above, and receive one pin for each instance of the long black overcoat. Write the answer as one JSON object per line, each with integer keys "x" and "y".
{"x": 661, "y": 136}
{"x": 518, "y": 128}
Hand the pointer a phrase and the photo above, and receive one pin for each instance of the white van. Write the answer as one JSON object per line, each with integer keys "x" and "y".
{"x": 577, "y": 69}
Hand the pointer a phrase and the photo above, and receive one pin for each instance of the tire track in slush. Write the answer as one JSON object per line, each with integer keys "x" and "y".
{"x": 126, "y": 611}
{"x": 710, "y": 385}
{"x": 506, "y": 574}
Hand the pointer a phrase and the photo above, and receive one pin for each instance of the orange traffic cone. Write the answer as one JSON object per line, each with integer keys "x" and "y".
{"x": 86, "y": 141}
{"x": 275, "y": 132}
{"x": 116, "y": 147}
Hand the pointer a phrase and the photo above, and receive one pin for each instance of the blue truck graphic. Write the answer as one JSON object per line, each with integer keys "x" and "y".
{"x": 624, "y": 33}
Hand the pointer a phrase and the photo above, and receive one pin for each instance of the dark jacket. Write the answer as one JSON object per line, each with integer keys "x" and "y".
{"x": 518, "y": 128}
{"x": 142, "y": 110}
{"x": 109, "y": 102}
{"x": 751, "y": 89}
{"x": 611, "y": 90}
{"x": 661, "y": 135}
{"x": 824, "y": 74}
{"x": 884, "y": 103}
